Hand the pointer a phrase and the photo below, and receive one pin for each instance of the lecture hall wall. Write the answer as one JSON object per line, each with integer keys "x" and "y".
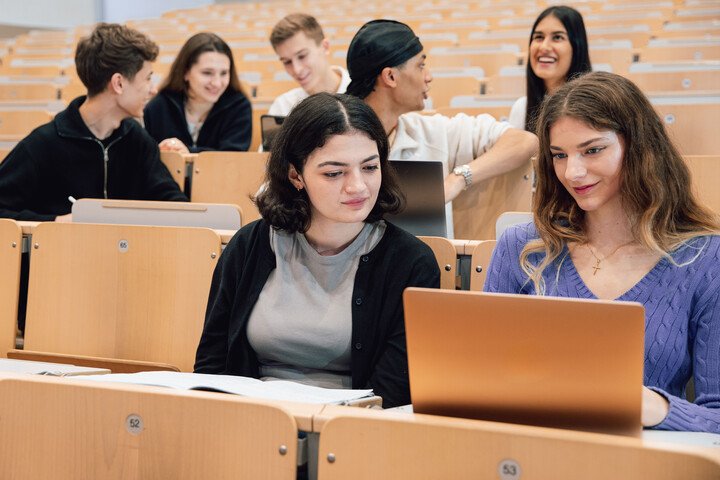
{"x": 71, "y": 13}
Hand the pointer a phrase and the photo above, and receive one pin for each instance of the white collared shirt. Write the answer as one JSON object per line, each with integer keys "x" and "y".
{"x": 454, "y": 141}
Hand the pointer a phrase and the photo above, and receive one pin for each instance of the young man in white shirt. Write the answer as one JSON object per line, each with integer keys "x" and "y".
{"x": 386, "y": 62}
{"x": 305, "y": 53}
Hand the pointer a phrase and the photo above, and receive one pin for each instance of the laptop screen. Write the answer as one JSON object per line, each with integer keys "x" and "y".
{"x": 547, "y": 361}
{"x": 269, "y": 127}
{"x": 422, "y": 182}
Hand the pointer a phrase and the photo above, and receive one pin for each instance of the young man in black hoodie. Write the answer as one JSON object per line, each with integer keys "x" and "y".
{"x": 94, "y": 148}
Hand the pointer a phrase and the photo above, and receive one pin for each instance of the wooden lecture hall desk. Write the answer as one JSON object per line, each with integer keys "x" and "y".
{"x": 360, "y": 444}
{"x": 463, "y": 249}
{"x": 64, "y": 428}
{"x": 89, "y": 429}
{"x": 8, "y": 365}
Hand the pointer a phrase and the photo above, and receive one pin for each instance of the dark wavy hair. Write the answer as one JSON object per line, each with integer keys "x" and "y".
{"x": 309, "y": 126}
{"x": 188, "y": 56}
{"x": 573, "y": 22}
{"x": 655, "y": 181}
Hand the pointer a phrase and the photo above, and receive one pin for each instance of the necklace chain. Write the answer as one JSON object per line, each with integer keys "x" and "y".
{"x": 596, "y": 267}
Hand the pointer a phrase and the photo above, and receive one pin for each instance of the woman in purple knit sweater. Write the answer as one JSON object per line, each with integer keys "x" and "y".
{"x": 615, "y": 218}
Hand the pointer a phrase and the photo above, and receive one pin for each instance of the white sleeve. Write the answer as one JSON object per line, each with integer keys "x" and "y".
{"x": 517, "y": 113}
{"x": 470, "y": 137}
{"x": 275, "y": 108}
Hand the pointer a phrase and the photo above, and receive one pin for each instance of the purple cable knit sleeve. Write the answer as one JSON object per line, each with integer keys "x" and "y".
{"x": 701, "y": 280}
{"x": 504, "y": 273}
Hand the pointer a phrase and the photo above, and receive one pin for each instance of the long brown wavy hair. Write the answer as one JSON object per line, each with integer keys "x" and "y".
{"x": 655, "y": 181}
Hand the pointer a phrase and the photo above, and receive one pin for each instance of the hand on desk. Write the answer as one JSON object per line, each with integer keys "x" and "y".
{"x": 654, "y": 408}
{"x": 67, "y": 218}
{"x": 173, "y": 145}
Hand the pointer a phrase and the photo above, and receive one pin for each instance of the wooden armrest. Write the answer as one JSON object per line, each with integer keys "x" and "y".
{"x": 115, "y": 365}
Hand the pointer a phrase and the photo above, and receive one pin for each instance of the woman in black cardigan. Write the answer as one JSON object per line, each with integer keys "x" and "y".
{"x": 201, "y": 105}
{"x": 313, "y": 291}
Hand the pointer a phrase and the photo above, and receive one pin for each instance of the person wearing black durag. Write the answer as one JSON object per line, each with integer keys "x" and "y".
{"x": 387, "y": 67}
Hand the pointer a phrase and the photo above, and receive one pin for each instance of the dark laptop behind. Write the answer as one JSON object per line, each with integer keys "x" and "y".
{"x": 422, "y": 182}
{"x": 423, "y": 186}
{"x": 269, "y": 127}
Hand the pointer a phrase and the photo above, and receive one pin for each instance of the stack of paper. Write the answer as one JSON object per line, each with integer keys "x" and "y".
{"x": 249, "y": 387}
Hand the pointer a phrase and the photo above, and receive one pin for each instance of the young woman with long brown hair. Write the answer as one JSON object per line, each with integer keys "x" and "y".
{"x": 615, "y": 218}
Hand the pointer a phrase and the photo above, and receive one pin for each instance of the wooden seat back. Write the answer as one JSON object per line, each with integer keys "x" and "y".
{"x": 10, "y": 254}
{"x": 446, "y": 257}
{"x": 120, "y": 291}
{"x": 68, "y": 429}
{"x": 229, "y": 177}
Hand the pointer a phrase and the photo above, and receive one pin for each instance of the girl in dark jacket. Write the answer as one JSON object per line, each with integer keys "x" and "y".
{"x": 313, "y": 291}
{"x": 201, "y": 105}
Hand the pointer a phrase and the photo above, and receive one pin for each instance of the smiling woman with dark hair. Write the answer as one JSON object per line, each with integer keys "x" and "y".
{"x": 201, "y": 105}
{"x": 313, "y": 291}
{"x": 558, "y": 51}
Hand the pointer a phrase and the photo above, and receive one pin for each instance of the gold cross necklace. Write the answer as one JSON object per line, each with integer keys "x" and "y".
{"x": 596, "y": 267}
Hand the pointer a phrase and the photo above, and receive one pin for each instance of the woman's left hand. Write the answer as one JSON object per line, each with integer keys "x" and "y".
{"x": 654, "y": 408}
{"x": 173, "y": 145}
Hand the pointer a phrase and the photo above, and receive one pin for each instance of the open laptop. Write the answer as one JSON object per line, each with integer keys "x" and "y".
{"x": 422, "y": 182}
{"x": 546, "y": 361}
{"x": 219, "y": 216}
{"x": 269, "y": 127}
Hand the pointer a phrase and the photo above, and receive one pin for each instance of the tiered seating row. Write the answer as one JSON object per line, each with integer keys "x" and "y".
{"x": 474, "y": 47}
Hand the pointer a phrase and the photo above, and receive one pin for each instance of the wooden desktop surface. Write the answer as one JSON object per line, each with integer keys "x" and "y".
{"x": 362, "y": 443}
{"x": 463, "y": 247}
{"x": 356, "y": 443}
{"x": 303, "y": 413}
{"x": 8, "y": 365}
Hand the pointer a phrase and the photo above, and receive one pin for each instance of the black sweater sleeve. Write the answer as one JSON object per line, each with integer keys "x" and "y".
{"x": 389, "y": 376}
{"x": 379, "y": 350}
{"x": 160, "y": 185}
{"x": 212, "y": 351}
{"x": 19, "y": 184}
{"x": 239, "y": 277}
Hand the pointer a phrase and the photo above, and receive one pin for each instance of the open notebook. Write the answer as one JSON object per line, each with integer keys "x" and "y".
{"x": 554, "y": 362}
{"x": 249, "y": 387}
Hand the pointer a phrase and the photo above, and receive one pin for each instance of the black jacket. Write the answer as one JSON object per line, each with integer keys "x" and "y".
{"x": 228, "y": 126}
{"x": 378, "y": 351}
{"x": 63, "y": 158}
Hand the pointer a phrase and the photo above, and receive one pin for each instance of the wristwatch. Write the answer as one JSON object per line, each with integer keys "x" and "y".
{"x": 465, "y": 171}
